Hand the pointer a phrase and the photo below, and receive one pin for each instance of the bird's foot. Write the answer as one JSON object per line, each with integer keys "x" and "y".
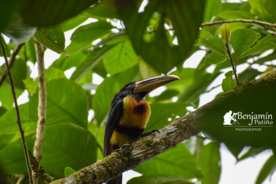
{"x": 150, "y": 132}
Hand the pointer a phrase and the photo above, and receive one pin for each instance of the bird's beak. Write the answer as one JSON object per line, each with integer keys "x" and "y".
{"x": 149, "y": 85}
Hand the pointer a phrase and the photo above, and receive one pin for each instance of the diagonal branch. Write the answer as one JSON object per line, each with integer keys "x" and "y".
{"x": 11, "y": 61}
{"x": 239, "y": 20}
{"x": 17, "y": 114}
{"x": 42, "y": 105}
{"x": 148, "y": 147}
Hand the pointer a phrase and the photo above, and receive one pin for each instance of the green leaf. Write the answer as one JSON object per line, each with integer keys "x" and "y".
{"x": 269, "y": 6}
{"x": 266, "y": 43}
{"x": 160, "y": 179}
{"x": 215, "y": 44}
{"x": 8, "y": 122}
{"x": 208, "y": 160}
{"x": 98, "y": 132}
{"x": 85, "y": 35}
{"x": 19, "y": 73}
{"x": 67, "y": 144}
{"x": 120, "y": 57}
{"x": 51, "y": 37}
{"x": 31, "y": 85}
{"x": 3, "y": 110}
{"x": 268, "y": 168}
{"x": 212, "y": 7}
{"x": 12, "y": 159}
{"x": 177, "y": 161}
{"x": 66, "y": 102}
{"x": 106, "y": 91}
{"x": 6, "y": 96}
{"x": 213, "y": 58}
{"x": 68, "y": 171}
{"x": 104, "y": 9}
{"x": 242, "y": 40}
{"x": 192, "y": 93}
{"x": 235, "y": 150}
{"x": 92, "y": 59}
{"x": 185, "y": 16}
{"x": 258, "y": 8}
{"x": 251, "y": 153}
{"x": 225, "y": 33}
{"x": 160, "y": 113}
{"x": 47, "y": 13}
{"x": 235, "y": 14}
{"x": 269, "y": 57}
{"x": 228, "y": 83}
{"x": 7, "y": 9}
{"x": 166, "y": 95}
{"x": 248, "y": 75}
{"x": 146, "y": 70}
{"x": 18, "y": 31}
{"x": 73, "y": 22}
{"x": 30, "y": 50}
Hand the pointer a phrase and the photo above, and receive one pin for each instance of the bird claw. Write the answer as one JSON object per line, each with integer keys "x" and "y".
{"x": 150, "y": 132}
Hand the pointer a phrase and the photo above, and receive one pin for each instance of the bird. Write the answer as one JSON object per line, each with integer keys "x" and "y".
{"x": 129, "y": 114}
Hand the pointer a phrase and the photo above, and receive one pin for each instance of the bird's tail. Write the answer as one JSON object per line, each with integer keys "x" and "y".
{"x": 117, "y": 180}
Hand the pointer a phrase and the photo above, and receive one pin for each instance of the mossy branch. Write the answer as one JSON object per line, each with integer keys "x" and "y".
{"x": 148, "y": 147}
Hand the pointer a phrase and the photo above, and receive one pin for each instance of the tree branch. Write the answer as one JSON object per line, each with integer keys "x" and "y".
{"x": 42, "y": 104}
{"x": 11, "y": 61}
{"x": 146, "y": 148}
{"x": 17, "y": 114}
{"x": 273, "y": 26}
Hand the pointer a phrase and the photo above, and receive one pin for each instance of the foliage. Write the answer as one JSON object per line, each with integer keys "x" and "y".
{"x": 135, "y": 43}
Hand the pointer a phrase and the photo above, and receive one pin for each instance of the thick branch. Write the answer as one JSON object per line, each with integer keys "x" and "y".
{"x": 11, "y": 61}
{"x": 42, "y": 104}
{"x": 148, "y": 147}
{"x": 17, "y": 114}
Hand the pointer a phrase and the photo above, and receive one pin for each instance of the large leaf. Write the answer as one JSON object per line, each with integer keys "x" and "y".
{"x": 73, "y": 22}
{"x": 185, "y": 16}
{"x": 160, "y": 179}
{"x": 208, "y": 160}
{"x": 67, "y": 144}
{"x": 19, "y": 73}
{"x": 12, "y": 159}
{"x": 177, "y": 161}
{"x": 91, "y": 60}
{"x": 146, "y": 70}
{"x": 66, "y": 102}
{"x": 242, "y": 40}
{"x": 119, "y": 58}
{"x": 107, "y": 89}
{"x": 228, "y": 82}
{"x": 85, "y": 35}
{"x": 258, "y": 8}
{"x": 51, "y": 37}
{"x": 213, "y": 58}
{"x": 50, "y": 12}
{"x": 160, "y": 113}
{"x": 6, "y": 10}
{"x": 269, "y": 6}
{"x": 18, "y": 31}
{"x": 238, "y": 14}
{"x": 104, "y": 9}
{"x": 6, "y": 96}
{"x": 212, "y": 7}
{"x": 268, "y": 168}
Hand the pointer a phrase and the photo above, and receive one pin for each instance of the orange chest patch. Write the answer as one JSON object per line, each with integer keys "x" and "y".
{"x": 136, "y": 114}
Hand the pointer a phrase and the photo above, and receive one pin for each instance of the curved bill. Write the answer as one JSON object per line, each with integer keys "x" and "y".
{"x": 149, "y": 85}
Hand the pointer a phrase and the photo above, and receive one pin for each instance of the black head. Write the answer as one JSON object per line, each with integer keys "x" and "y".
{"x": 140, "y": 89}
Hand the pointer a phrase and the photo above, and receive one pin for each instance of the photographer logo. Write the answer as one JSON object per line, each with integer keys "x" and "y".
{"x": 247, "y": 122}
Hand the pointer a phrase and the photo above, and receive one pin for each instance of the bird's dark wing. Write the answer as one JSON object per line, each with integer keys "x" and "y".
{"x": 113, "y": 120}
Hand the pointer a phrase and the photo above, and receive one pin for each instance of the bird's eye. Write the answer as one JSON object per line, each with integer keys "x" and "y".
{"x": 131, "y": 85}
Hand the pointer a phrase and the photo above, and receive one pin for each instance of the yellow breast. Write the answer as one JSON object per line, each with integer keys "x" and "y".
{"x": 136, "y": 114}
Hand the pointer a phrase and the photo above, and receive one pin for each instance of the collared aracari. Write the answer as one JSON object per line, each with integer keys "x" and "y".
{"x": 129, "y": 114}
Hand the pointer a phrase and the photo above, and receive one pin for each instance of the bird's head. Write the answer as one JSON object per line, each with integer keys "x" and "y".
{"x": 140, "y": 89}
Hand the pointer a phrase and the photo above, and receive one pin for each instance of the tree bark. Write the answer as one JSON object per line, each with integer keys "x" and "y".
{"x": 148, "y": 147}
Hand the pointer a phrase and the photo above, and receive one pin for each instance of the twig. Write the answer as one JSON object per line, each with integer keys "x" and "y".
{"x": 239, "y": 20}
{"x": 17, "y": 114}
{"x": 11, "y": 61}
{"x": 20, "y": 179}
{"x": 42, "y": 104}
{"x": 232, "y": 63}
